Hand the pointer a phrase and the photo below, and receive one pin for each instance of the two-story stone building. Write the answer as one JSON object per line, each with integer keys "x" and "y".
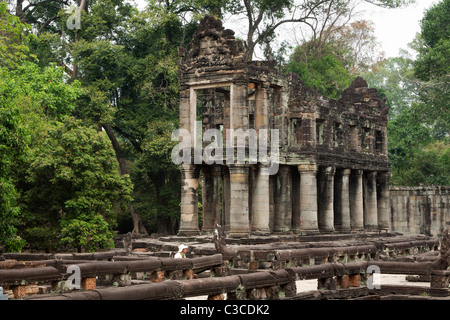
{"x": 332, "y": 171}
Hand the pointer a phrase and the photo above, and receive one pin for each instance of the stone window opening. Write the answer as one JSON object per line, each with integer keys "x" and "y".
{"x": 354, "y": 139}
{"x": 319, "y": 131}
{"x": 379, "y": 141}
{"x": 366, "y": 139}
{"x": 251, "y": 114}
{"x": 251, "y": 104}
{"x": 338, "y": 135}
{"x": 296, "y": 131}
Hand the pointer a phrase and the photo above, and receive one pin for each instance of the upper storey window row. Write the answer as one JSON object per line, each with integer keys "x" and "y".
{"x": 337, "y": 136}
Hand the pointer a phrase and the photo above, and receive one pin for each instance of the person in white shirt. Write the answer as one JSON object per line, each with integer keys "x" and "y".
{"x": 181, "y": 251}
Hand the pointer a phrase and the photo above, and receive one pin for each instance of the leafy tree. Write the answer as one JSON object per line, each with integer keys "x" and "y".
{"x": 13, "y": 143}
{"x": 14, "y": 137}
{"x": 73, "y": 180}
{"x": 325, "y": 73}
{"x": 395, "y": 77}
{"x": 265, "y": 17}
{"x": 90, "y": 232}
{"x": 433, "y": 60}
{"x": 14, "y": 39}
{"x": 432, "y": 66}
{"x": 331, "y": 59}
{"x": 417, "y": 92}
{"x": 127, "y": 64}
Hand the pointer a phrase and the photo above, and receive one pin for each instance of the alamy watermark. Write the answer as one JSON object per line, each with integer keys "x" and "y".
{"x": 74, "y": 20}
{"x": 74, "y": 281}
{"x": 374, "y": 280}
{"x": 241, "y": 147}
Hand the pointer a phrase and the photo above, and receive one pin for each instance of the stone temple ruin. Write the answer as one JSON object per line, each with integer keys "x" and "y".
{"x": 333, "y": 169}
{"x": 319, "y": 204}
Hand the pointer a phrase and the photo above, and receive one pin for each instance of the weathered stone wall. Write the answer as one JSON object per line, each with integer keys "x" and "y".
{"x": 329, "y": 170}
{"x": 420, "y": 210}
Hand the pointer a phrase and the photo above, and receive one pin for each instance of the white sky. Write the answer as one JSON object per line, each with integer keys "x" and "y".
{"x": 395, "y": 28}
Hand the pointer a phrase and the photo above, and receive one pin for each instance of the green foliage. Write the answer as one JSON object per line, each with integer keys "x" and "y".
{"x": 13, "y": 139}
{"x": 433, "y": 60}
{"x": 418, "y": 95}
{"x": 56, "y": 173}
{"x": 395, "y": 77}
{"x": 14, "y": 39}
{"x": 326, "y": 73}
{"x": 433, "y": 67}
{"x": 409, "y": 140}
{"x": 91, "y": 232}
{"x": 74, "y": 174}
{"x": 14, "y": 136}
{"x": 163, "y": 177}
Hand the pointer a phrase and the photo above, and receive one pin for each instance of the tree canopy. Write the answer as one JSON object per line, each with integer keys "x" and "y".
{"x": 89, "y": 98}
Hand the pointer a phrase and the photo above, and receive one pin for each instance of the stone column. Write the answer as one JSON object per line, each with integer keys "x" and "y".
{"x": 308, "y": 199}
{"x": 239, "y": 106}
{"x": 356, "y": 200}
{"x": 370, "y": 201}
{"x": 260, "y": 202}
{"x": 207, "y": 198}
{"x": 383, "y": 200}
{"x": 309, "y": 129}
{"x": 226, "y": 198}
{"x": 185, "y": 109}
{"x": 239, "y": 211}
{"x": 210, "y": 197}
{"x": 295, "y": 200}
{"x": 189, "y": 201}
{"x": 261, "y": 107}
{"x": 326, "y": 199}
{"x": 261, "y": 192}
{"x": 283, "y": 211}
{"x": 342, "y": 209}
{"x": 272, "y": 184}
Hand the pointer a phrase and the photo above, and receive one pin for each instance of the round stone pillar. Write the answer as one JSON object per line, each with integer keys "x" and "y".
{"x": 356, "y": 200}
{"x": 260, "y": 202}
{"x": 326, "y": 199}
{"x": 239, "y": 209}
{"x": 283, "y": 203}
{"x": 342, "y": 213}
{"x": 308, "y": 199}
{"x": 370, "y": 201}
{"x": 189, "y": 201}
{"x": 383, "y": 200}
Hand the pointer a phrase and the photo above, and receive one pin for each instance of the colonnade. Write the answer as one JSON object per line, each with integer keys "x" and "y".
{"x": 305, "y": 199}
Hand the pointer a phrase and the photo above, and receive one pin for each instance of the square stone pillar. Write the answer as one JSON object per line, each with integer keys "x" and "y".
{"x": 308, "y": 199}
{"x": 226, "y": 198}
{"x": 239, "y": 202}
{"x": 326, "y": 199}
{"x": 383, "y": 200}
{"x": 210, "y": 197}
{"x": 185, "y": 109}
{"x": 260, "y": 202}
{"x": 261, "y": 107}
{"x": 342, "y": 201}
{"x": 283, "y": 205}
{"x": 189, "y": 200}
{"x": 356, "y": 200}
{"x": 239, "y": 106}
{"x": 370, "y": 201}
{"x": 295, "y": 200}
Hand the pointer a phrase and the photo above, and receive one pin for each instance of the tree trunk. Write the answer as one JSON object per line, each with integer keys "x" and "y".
{"x": 165, "y": 224}
{"x": 138, "y": 225}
